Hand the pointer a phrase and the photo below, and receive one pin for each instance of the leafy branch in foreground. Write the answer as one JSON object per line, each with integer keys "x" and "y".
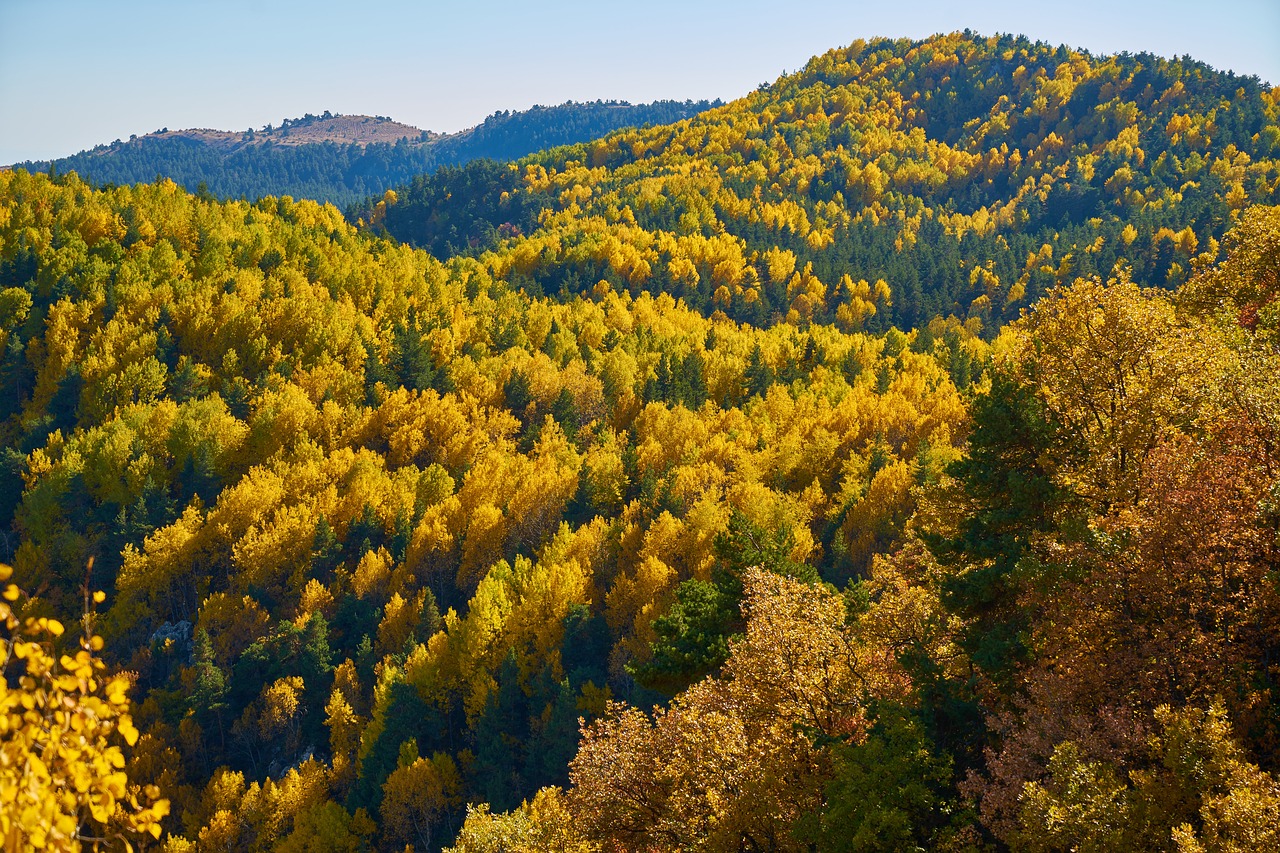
{"x": 63, "y": 781}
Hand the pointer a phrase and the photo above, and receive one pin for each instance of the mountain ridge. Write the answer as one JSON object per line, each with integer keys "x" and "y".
{"x": 970, "y": 174}
{"x": 346, "y": 158}
{"x": 329, "y": 127}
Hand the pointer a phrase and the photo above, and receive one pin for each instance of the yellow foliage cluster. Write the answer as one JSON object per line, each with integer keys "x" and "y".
{"x": 63, "y": 779}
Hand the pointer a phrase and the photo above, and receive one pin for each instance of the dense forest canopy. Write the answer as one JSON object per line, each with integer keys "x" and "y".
{"x": 969, "y": 174}
{"x": 346, "y": 159}
{"x": 637, "y": 514}
{"x": 403, "y": 491}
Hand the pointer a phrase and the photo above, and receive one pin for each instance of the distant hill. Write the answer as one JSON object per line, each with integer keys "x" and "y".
{"x": 298, "y": 132}
{"x": 342, "y": 158}
{"x": 969, "y": 174}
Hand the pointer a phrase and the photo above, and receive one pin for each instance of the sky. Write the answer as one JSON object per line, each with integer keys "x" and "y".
{"x": 77, "y": 73}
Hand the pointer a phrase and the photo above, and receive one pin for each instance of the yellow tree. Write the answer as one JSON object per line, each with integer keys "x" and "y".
{"x": 1114, "y": 364}
{"x": 344, "y": 737}
{"x": 543, "y": 823}
{"x": 417, "y": 794}
{"x": 730, "y": 765}
{"x": 63, "y": 779}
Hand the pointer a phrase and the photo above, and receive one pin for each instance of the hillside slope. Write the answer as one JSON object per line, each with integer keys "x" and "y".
{"x": 379, "y": 531}
{"x": 970, "y": 174}
{"x": 319, "y": 450}
{"x": 391, "y": 543}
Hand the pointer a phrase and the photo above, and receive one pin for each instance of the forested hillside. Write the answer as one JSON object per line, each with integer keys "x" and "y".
{"x": 1071, "y": 646}
{"x": 356, "y": 504}
{"x": 613, "y": 524}
{"x": 969, "y": 174}
{"x": 346, "y": 159}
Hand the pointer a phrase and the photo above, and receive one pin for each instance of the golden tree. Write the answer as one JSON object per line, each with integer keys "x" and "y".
{"x": 63, "y": 779}
{"x": 542, "y": 823}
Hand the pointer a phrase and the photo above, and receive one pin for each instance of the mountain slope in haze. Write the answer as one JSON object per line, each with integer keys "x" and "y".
{"x": 969, "y": 174}
{"x": 343, "y": 159}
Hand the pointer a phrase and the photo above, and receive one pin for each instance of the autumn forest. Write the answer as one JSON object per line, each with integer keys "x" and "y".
{"x": 886, "y": 460}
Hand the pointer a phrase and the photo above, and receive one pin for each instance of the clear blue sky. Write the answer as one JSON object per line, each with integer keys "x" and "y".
{"x": 75, "y": 73}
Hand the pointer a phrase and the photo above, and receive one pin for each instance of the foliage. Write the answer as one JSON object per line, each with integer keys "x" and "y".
{"x": 692, "y": 637}
{"x": 63, "y": 778}
{"x": 728, "y": 764}
{"x": 541, "y": 823}
{"x": 391, "y": 534}
{"x": 351, "y": 497}
{"x": 1116, "y": 517}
